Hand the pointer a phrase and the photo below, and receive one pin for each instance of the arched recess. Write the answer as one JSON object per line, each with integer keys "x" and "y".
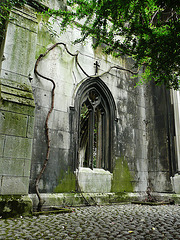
{"x": 92, "y": 124}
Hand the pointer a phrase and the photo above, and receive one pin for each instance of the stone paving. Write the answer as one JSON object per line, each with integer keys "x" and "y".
{"x": 98, "y": 222}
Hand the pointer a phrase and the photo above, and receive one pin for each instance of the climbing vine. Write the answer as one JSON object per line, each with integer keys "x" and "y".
{"x": 83, "y": 112}
{"x": 41, "y": 56}
{"x": 146, "y": 30}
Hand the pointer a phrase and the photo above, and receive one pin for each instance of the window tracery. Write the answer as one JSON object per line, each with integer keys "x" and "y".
{"x": 94, "y": 131}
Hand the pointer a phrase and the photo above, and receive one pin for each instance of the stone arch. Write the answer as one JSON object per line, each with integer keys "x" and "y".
{"x": 93, "y": 132}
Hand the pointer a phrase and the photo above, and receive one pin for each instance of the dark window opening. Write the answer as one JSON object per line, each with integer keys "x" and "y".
{"x": 92, "y": 126}
{"x": 94, "y": 132}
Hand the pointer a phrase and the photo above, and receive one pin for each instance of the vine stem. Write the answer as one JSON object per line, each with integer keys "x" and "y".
{"x": 41, "y": 201}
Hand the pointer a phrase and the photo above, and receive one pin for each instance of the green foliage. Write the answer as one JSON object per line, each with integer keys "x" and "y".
{"x": 5, "y": 8}
{"x": 148, "y": 30}
{"x": 84, "y": 111}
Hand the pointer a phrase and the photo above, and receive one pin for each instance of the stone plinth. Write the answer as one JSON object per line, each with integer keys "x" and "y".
{"x": 96, "y": 180}
{"x": 176, "y": 183}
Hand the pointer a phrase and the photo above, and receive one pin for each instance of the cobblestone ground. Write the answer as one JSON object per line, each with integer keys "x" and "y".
{"x": 100, "y": 222}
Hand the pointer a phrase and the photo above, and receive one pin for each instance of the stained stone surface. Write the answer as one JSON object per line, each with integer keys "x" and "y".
{"x": 138, "y": 151}
{"x": 96, "y": 180}
{"x": 17, "y": 102}
{"x": 98, "y": 222}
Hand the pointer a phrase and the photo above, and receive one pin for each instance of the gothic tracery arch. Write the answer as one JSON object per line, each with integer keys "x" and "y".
{"x": 95, "y": 115}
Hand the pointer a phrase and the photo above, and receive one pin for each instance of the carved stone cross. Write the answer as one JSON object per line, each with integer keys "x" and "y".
{"x": 96, "y": 64}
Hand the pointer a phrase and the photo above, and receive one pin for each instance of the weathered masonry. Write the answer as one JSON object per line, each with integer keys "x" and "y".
{"x": 17, "y": 106}
{"x": 108, "y": 139}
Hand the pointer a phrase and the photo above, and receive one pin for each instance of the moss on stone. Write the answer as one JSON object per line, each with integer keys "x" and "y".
{"x": 121, "y": 197}
{"x": 63, "y": 210}
{"x": 24, "y": 37}
{"x": 13, "y": 123}
{"x": 17, "y": 92}
{"x": 122, "y": 179}
{"x": 15, "y": 206}
{"x": 44, "y": 37}
{"x": 17, "y": 108}
{"x": 176, "y": 198}
{"x": 16, "y": 85}
{"x": 67, "y": 183}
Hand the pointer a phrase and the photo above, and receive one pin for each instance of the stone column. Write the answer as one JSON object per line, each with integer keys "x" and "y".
{"x": 176, "y": 103}
{"x": 17, "y": 103}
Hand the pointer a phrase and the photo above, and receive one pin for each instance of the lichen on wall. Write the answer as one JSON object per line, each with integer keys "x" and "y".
{"x": 67, "y": 183}
{"x": 17, "y": 102}
{"x": 43, "y": 38}
{"x": 122, "y": 178}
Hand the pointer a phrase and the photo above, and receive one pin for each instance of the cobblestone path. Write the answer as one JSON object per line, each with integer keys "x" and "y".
{"x": 100, "y": 222}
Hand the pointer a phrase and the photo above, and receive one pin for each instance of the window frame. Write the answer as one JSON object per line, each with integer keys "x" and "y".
{"x": 99, "y": 86}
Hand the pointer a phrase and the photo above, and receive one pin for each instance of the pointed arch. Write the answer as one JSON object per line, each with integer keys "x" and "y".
{"x": 93, "y": 125}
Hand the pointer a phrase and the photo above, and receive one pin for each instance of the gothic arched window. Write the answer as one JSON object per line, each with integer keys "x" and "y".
{"x": 93, "y": 131}
{"x": 96, "y": 110}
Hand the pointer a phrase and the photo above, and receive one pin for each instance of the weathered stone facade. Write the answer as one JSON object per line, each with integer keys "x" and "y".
{"x": 17, "y": 103}
{"x": 139, "y": 123}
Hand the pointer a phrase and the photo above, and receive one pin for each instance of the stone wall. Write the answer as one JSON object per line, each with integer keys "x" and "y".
{"x": 140, "y": 154}
{"x": 17, "y": 103}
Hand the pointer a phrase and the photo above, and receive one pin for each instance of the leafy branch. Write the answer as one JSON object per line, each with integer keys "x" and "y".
{"x": 146, "y": 30}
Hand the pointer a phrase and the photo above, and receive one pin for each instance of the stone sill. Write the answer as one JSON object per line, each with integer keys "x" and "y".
{"x": 78, "y": 199}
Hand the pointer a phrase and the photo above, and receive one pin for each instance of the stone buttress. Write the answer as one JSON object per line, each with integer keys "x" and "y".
{"x": 17, "y": 109}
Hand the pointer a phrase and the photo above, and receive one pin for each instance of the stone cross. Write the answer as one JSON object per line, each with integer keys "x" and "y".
{"x": 96, "y": 64}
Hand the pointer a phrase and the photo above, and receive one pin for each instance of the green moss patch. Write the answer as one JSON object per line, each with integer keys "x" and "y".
{"x": 122, "y": 179}
{"x": 15, "y": 206}
{"x": 67, "y": 183}
{"x": 62, "y": 210}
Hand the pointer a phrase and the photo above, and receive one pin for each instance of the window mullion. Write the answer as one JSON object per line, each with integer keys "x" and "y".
{"x": 91, "y": 137}
{"x": 103, "y": 140}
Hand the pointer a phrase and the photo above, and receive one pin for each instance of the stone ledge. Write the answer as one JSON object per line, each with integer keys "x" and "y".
{"x": 78, "y": 199}
{"x": 17, "y": 99}
{"x": 16, "y": 92}
{"x": 71, "y": 199}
